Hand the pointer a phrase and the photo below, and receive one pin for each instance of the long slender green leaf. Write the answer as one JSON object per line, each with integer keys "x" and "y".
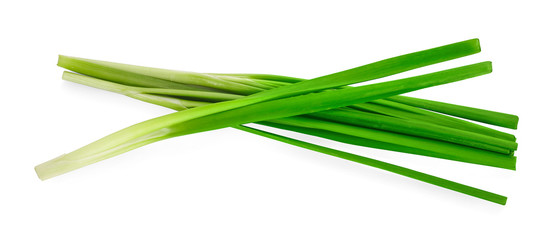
{"x": 480, "y": 115}
{"x": 458, "y": 187}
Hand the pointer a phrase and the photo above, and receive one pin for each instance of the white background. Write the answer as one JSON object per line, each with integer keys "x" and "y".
{"x": 228, "y": 184}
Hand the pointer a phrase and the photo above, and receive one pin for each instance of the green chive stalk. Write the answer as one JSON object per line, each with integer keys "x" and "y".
{"x": 480, "y": 115}
{"x": 458, "y": 187}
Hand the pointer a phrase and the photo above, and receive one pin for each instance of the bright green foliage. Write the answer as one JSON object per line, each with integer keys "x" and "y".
{"x": 370, "y": 115}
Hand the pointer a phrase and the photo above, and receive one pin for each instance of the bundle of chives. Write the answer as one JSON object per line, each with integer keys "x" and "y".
{"x": 278, "y": 101}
